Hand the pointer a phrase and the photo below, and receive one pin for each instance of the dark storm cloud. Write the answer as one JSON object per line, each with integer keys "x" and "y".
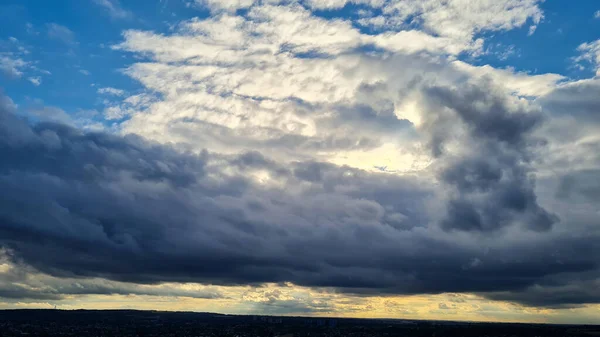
{"x": 557, "y": 291}
{"x": 492, "y": 180}
{"x": 91, "y": 205}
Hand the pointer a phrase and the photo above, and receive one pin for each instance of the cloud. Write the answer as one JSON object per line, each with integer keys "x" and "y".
{"x": 457, "y": 20}
{"x": 597, "y": 15}
{"x": 224, "y": 5}
{"x": 256, "y": 81}
{"x": 576, "y": 99}
{"x": 589, "y": 53}
{"x": 556, "y": 292}
{"x": 490, "y": 178}
{"x": 450, "y": 18}
{"x": 532, "y": 30}
{"x": 14, "y": 58}
{"x": 12, "y": 67}
{"x": 61, "y": 33}
{"x": 519, "y": 83}
{"x": 114, "y": 9}
{"x": 30, "y": 29}
{"x": 37, "y": 80}
{"x": 111, "y": 91}
{"x": 248, "y": 158}
{"x": 247, "y": 219}
{"x": 23, "y": 283}
{"x": 51, "y": 114}
{"x": 572, "y": 128}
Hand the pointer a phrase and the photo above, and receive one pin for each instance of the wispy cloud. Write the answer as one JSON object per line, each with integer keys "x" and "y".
{"x": 30, "y": 29}
{"x": 589, "y": 53}
{"x": 597, "y": 15}
{"x": 114, "y": 9}
{"x": 61, "y": 33}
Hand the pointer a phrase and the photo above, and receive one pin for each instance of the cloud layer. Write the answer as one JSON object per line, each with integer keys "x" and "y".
{"x": 271, "y": 144}
{"x": 96, "y": 205}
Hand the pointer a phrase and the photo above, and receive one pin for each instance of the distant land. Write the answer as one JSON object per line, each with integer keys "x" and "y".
{"x": 139, "y": 323}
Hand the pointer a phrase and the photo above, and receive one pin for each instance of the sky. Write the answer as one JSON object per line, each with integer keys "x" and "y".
{"x": 350, "y": 158}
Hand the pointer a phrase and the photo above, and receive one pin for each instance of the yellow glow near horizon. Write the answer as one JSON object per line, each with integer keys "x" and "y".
{"x": 291, "y": 300}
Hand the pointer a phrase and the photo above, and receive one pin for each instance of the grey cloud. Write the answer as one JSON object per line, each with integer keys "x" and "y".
{"x": 370, "y": 118}
{"x": 443, "y": 306}
{"x": 484, "y": 110}
{"x": 572, "y": 128}
{"x": 564, "y": 291}
{"x": 581, "y": 184}
{"x": 51, "y": 114}
{"x": 374, "y": 112}
{"x": 19, "y": 293}
{"x": 20, "y": 282}
{"x": 579, "y": 99}
{"x": 492, "y": 178}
